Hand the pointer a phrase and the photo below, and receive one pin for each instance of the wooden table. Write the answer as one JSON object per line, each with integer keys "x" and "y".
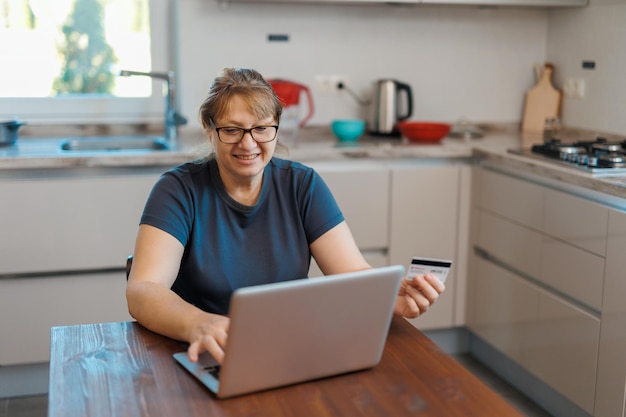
{"x": 122, "y": 369}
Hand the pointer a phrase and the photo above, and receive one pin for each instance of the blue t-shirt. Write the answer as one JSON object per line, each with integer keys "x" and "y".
{"x": 229, "y": 245}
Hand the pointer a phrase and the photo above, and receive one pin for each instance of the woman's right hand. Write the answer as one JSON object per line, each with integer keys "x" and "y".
{"x": 210, "y": 334}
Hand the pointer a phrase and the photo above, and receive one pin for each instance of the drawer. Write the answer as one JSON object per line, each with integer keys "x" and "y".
{"x": 579, "y": 222}
{"x": 568, "y": 269}
{"x": 65, "y": 224}
{"x": 512, "y": 198}
{"x": 511, "y": 243}
{"x": 30, "y": 306}
{"x": 562, "y": 349}
{"x": 504, "y": 307}
{"x": 573, "y": 271}
{"x": 551, "y": 338}
{"x": 575, "y": 220}
{"x": 610, "y": 395}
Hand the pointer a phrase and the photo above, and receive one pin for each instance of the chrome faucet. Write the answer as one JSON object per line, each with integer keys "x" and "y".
{"x": 172, "y": 118}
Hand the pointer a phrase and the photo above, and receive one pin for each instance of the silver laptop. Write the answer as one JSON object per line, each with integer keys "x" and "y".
{"x": 290, "y": 332}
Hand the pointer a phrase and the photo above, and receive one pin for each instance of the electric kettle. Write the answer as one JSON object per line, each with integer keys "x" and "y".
{"x": 294, "y": 115}
{"x": 387, "y": 106}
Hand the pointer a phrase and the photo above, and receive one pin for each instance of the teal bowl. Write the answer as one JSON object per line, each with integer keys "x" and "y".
{"x": 348, "y": 130}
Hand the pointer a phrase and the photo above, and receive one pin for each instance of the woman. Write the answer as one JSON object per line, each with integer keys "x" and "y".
{"x": 237, "y": 218}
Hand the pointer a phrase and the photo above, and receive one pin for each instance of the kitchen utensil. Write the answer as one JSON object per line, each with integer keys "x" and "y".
{"x": 348, "y": 130}
{"x": 424, "y": 131}
{"x": 294, "y": 116}
{"x": 465, "y": 130}
{"x": 543, "y": 101}
{"x": 8, "y": 132}
{"x": 387, "y": 104}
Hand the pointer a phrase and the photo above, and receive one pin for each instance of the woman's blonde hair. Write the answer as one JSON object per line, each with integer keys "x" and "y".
{"x": 246, "y": 84}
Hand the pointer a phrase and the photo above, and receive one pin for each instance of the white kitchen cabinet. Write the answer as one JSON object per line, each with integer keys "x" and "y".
{"x": 61, "y": 223}
{"x": 362, "y": 192}
{"x": 561, "y": 266}
{"x": 504, "y": 305}
{"x": 610, "y": 390}
{"x": 548, "y": 336}
{"x": 562, "y": 348}
{"x": 536, "y": 280}
{"x": 511, "y": 198}
{"x": 425, "y": 221}
{"x": 66, "y": 236}
{"x": 30, "y": 306}
{"x": 67, "y": 233}
{"x": 556, "y": 238}
{"x": 517, "y": 246}
{"x": 400, "y": 209}
{"x": 580, "y": 222}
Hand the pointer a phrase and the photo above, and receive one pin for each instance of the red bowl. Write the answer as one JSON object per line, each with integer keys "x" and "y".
{"x": 424, "y": 131}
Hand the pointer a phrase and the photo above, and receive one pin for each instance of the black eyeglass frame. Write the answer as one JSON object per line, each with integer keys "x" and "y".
{"x": 244, "y": 131}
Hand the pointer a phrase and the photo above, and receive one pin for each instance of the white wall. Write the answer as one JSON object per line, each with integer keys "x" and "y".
{"x": 596, "y": 33}
{"x": 460, "y": 61}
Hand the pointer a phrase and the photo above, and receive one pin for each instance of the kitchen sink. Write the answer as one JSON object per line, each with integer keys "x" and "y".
{"x": 115, "y": 144}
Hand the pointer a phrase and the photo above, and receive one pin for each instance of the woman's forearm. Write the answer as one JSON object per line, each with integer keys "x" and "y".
{"x": 161, "y": 310}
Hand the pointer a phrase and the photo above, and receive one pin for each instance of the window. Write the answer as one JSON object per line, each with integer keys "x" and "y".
{"x": 61, "y": 59}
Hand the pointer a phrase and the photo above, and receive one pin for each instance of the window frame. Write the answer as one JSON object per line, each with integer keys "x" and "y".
{"x": 108, "y": 110}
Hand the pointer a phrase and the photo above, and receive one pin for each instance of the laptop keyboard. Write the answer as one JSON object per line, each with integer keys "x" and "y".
{"x": 214, "y": 370}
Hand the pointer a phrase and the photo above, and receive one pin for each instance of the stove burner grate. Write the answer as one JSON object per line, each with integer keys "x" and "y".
{"x": 596, "y": 153}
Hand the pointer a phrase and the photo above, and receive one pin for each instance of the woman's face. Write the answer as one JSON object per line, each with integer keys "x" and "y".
{"x": 244, "y": 161}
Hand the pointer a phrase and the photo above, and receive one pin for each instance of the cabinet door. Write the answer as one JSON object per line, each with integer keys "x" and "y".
{"x": 504, "y": 308}
{"x": 424, "y": 222}
{"x": 62, "y": 224}
{"x": 362, "y": 193}
{"x": 610, "y": 396}
{"x": 562, "y": 349}
{"x": 552, "y": 339}
{"x": 32, "y": 305}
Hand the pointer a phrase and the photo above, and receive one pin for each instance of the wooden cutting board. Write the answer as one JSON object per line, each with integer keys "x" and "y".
{"x": 543, "y": 101}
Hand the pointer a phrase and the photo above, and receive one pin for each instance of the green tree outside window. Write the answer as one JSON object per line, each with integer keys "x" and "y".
{"x": 87, "y": 57}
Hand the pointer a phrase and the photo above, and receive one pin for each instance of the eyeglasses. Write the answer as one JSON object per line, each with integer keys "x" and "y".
{"x": 260, "y": 134}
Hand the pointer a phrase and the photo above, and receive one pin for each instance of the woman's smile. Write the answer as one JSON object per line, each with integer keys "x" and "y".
{"x": 247, "y": 157}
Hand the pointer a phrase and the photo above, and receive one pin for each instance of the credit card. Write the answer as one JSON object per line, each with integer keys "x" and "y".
{"x": 439, "y": 268}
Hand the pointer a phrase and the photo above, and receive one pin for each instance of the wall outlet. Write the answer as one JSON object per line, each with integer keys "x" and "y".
{"x": 329, "y": 83}
{"x": 574, "y": 87}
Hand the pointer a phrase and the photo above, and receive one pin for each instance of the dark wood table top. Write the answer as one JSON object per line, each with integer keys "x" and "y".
{"x": 122, "y": 369}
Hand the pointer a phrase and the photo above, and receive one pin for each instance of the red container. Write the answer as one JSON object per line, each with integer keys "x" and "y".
{"x": 424, "y": 131}
{"x": 289, "y": 94}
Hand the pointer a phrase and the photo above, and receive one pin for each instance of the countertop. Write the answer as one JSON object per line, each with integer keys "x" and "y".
{"x": 611, "y": 187}
{"x": 317, "y": 144}
{"x": 314, "y": 144}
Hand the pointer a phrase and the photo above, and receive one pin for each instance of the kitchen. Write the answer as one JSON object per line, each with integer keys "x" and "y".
{"x": 461, "y": 61}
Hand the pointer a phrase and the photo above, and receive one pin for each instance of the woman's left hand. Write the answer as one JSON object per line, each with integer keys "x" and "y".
{"x": 417, "y": 295}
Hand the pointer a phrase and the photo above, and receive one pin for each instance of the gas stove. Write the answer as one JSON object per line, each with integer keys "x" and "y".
{"x": 597, "y": 157}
